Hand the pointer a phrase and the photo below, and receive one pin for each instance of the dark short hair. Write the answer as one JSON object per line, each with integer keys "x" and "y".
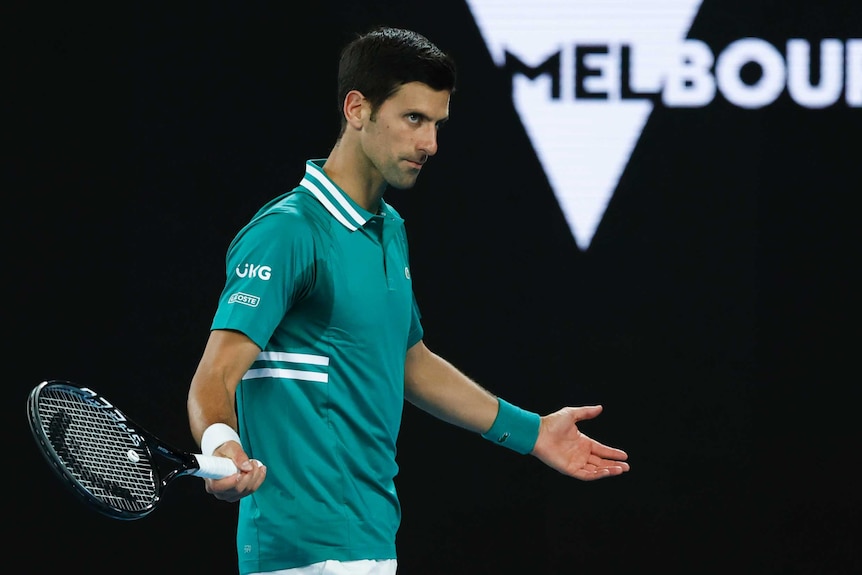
{"x": 380, "y": 61}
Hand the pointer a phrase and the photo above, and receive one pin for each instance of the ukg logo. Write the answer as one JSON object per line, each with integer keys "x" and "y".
{"x": 586, "y": 74}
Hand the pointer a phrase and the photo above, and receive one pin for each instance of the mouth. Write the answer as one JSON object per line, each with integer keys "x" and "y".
{"x": 417, "y": 164}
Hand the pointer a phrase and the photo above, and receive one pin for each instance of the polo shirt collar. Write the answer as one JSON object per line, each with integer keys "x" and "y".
{"x": 350, "y": 214}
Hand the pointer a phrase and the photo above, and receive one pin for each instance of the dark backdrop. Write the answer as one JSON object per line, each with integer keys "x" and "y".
{"x": 713, "y": 314}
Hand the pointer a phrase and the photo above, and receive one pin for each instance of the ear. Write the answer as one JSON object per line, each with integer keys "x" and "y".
{"x": 355, "y": 106}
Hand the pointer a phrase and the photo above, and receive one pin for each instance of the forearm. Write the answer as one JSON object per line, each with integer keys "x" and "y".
{"x": 211, "y": 397}
{"x": 209, "y": 402}
{"x": 439, "y": 388}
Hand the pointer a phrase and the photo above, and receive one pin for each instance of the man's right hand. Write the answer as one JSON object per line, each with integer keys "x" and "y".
{"x": 234, "y": 487}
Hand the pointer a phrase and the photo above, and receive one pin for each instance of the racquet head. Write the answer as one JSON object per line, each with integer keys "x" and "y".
{"x": 95, "y": 449}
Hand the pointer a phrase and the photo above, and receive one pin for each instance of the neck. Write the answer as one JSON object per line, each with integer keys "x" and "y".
{"x": 354, "y": 174}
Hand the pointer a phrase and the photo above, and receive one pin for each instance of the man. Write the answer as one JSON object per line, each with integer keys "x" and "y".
{"x": 317, "y": 340}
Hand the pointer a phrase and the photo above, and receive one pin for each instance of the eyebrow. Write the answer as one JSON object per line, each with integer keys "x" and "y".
{"x": 426, "y": 117}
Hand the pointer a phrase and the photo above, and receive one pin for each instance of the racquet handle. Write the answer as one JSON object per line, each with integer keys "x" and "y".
{"x": 214, "y": 467}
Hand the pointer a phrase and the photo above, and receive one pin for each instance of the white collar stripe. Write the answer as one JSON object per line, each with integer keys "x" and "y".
{"x": 321, "y": 176}
{"x": 321, "y": 197}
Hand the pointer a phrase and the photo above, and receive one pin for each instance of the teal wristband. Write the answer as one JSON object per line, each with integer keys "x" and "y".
{"x": 514, "y": 428}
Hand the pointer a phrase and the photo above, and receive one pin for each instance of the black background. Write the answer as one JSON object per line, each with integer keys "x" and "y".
{"x": 713, "y": 314}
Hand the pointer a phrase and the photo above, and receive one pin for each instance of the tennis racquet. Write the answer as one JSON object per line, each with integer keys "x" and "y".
{"x": 114, "y": 465}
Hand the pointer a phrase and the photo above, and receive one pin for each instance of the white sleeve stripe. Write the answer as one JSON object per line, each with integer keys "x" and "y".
{"x": 286, "y": 374}
{"x": 293, "y": 357}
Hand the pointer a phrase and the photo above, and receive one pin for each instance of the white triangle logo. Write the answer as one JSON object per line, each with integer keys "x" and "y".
{"x": 584, "y": 142}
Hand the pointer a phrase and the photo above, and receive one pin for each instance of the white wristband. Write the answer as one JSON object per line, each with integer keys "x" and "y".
{"x": 215, "y": 435}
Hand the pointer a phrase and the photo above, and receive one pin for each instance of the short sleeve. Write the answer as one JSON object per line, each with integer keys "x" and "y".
{"x": 269, "y": 265}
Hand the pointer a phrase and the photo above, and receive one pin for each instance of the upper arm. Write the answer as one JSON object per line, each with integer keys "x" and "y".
{"x": 228, "y": 355}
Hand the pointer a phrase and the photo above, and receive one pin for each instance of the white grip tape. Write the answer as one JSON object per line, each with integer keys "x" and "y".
{"x": 215, "y": 435}
{"x": 214, "y": 467}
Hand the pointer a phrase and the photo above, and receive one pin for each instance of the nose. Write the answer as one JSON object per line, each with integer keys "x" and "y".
{"x": 428, "y": 142}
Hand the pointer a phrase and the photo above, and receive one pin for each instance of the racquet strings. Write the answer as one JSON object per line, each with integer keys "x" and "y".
{"x": 107, "y": 460}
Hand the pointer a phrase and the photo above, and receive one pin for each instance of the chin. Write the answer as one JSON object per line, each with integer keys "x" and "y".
{"x": 403, "y": 183}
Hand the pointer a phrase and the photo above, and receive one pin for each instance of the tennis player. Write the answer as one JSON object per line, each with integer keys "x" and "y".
{"x": 317, "y": 340}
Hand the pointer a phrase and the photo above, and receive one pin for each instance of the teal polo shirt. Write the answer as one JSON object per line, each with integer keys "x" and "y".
{"x": 323, "y": 287}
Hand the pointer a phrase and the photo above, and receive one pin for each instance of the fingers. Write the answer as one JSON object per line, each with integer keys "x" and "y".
{"x": 233, "y": 488}
{"x": 609, "y": 469}
{"x": 585, "y": 475}
{"x": 613, "y": 465}
{"x": 603, "y": 451}
{"x": 585, "y": 412}
{"x": 607, "y": 452}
